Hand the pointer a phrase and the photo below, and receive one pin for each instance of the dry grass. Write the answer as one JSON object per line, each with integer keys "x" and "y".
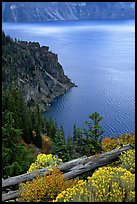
{"x": 46, "y": 144}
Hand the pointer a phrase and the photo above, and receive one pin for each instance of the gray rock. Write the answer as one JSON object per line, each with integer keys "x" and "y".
{"x": 41, "y": 83}
{"x": 52, "y": 11}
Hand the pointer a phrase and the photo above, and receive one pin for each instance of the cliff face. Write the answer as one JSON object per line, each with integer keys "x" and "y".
{"x": 35, "y": 69}
{"x": 52, "y": 11}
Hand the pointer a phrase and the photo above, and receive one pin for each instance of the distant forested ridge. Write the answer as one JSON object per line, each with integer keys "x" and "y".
{"x": 52, "y": 11}
{"x": 34, "y": 69}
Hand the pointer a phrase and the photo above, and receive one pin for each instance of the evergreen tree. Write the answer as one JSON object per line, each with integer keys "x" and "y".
{"x": 59, "y": 146}
{"x": 93, "y": 135}
{"x": 94, "y": 130}
{"x": 12, "y": 101}
{"x": 71, "y": 148}
{"x": 15, "y": 158}
{"x": 74, "y": 133}
{"x": 78, "y": 141}
{"x": 37, "y": 127}
{"x": 62, "y": 131}
{"x": 50, "y": 127}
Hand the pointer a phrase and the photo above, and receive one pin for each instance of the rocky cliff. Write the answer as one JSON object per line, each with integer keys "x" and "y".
{"x": 35, "y": 69}
{"x": 52, "y": 11}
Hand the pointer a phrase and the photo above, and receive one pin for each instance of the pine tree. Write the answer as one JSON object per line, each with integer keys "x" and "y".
{"x": 94, "y": 130}
{"x": 15, "y": 158}
{"x": 71, "y": 148}
{"x": 50, "y": 127}
{"x": 78, "y": 141}
{"x": 93, "y": 135}
{"x": 12, "y": 101}
{"x": 37, "y": 127}
{"x": 59, "y": 146}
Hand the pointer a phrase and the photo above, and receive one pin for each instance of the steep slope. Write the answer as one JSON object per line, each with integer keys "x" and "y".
{"x": 35, "y": 69}
{"x": 51, "y": 11}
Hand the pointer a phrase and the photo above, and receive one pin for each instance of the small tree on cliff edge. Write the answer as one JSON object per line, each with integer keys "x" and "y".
{"x": 93, "y": 133}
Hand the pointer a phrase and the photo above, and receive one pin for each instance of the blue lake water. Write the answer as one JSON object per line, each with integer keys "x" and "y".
{"x": 99, "y": 56}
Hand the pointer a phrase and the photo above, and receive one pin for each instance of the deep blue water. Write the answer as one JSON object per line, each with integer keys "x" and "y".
{"x": 99, "y": 56}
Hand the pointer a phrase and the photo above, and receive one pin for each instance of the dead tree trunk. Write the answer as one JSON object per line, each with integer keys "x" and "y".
{"x": 10, "y": 195}
{"x": 73, "y": 168}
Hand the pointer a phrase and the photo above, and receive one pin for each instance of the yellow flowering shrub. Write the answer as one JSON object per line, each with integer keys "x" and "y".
{"x": 113, "y": 184}
{"x": 127, "y": 160}
{"x": 44, "y": 160}
{"x": 107, "y": 184}
{"x": 108, "y": 144}
{"x": 45, "y": 188}
{"x": 74, "y": 193}
{"x": 127, "y": 138}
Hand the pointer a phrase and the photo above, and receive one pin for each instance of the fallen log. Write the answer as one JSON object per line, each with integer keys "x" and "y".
{"x": 29, "y": 176}
{"x": 10, "y": 195}
{"x": 75, "y": 167}
{"x": 63, "y": 167}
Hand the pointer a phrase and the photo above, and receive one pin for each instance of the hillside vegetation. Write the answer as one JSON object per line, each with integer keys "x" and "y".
{"x": 27, "y": 135}
{"x": 34, "y": 69}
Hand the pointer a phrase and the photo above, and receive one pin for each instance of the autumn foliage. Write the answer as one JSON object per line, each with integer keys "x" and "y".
{"x": 111, "y": 143}
{"x": 108, "y": 144}
{"x": 45, "y": 188}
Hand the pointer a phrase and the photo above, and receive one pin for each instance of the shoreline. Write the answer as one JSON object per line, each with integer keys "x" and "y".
{"x": 46, "y": 106}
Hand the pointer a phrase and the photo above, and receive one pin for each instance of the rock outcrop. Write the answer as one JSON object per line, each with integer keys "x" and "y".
{"x": 52, "y": 11}
{"x": 35, "y": 69}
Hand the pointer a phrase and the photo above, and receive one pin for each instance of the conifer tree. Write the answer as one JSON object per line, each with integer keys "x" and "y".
{"x": 78, "y": 141}
{"x": 37, "y": 127}
{"x": 95, "y": 130}
{"x": 92, "y": 139}
{"x": 50, "y": 127}
{"x": 12, "y": 101}
{"x": 15, "y": 158}
{"x": 59, "y": 146}
{"x": 71, "y": 148}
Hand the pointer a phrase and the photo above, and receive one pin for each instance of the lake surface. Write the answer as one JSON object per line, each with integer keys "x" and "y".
{"x": 99, "y": 56}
